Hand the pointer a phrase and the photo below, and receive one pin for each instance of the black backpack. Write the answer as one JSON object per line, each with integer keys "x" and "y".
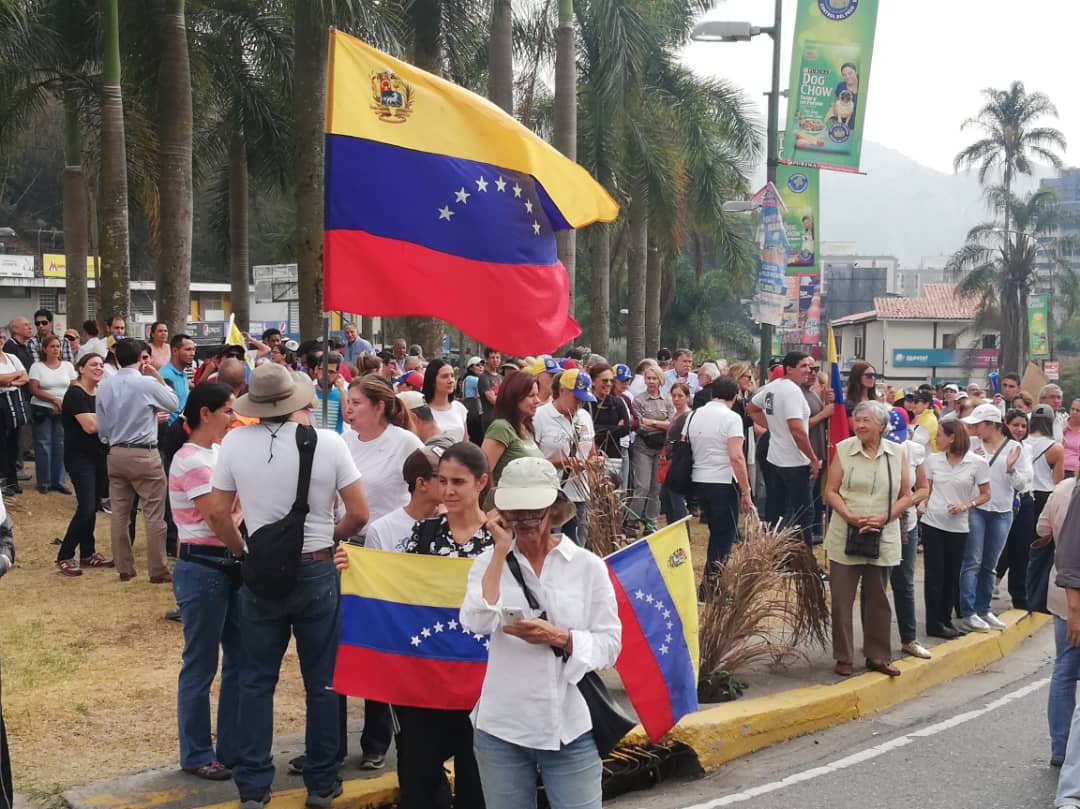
{"x": 271, "y": 565}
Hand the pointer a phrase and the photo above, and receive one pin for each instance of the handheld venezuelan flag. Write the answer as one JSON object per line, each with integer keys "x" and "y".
{"x": 235, "y": 337}
{"x": 838, "y": 422}
{"x": 654, "y": 587}
{"x": 401, "y": 641}
{"x": 440, "y": 204}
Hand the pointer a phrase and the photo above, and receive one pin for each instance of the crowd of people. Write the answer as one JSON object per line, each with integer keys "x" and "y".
{"x": 404, "y": 452}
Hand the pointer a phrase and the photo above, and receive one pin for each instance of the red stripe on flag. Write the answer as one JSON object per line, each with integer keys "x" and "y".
{"x": 519, "y": 309}
{"x": 640, "y": 673}
{"x": 403, "y": 680}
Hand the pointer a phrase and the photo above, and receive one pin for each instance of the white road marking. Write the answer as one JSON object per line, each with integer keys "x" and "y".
{"x": 871, "y": 752}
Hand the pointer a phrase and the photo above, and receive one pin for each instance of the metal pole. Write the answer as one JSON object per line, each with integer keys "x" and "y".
{"x": 772, "y": 154}
{"x": 325, "y": 372}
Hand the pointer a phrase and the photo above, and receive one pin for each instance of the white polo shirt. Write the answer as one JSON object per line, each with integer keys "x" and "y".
{"x": 781, "y": 400}
{"x": 558, "y": 437}
{"x": 708, "y": 429}
{"x": 952, "y": 484}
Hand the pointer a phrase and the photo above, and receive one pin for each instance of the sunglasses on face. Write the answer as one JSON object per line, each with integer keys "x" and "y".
{"x": 869, "y": 375}
{"x": 41, "y": 323}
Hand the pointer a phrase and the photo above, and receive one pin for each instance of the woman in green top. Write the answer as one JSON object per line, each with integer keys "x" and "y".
{"x": 510, "y": 435}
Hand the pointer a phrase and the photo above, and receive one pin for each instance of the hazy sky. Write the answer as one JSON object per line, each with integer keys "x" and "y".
{"x": 931, "y": 62}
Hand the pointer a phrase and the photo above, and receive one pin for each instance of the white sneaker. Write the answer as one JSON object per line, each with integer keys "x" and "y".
{"x": 992, "y": 621}
{"x": 997, "y": 592}
{"x": 973, "y": 623}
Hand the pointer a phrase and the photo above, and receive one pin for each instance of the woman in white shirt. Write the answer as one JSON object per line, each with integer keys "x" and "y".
{"x": 1047, "y": 470}
{"x": 1010, "y": 472}
{"x": 1014, "y": 557}
{"x": 531, "y": 714}
{"x": 450, "y": 415}
{"x": 959, "y": 481}
{"x": 49, "y": 381}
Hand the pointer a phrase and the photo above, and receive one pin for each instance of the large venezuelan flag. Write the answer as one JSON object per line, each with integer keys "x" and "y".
{"x": 401, "y": 641}
{"x": 438, "y": 203}
{"x": 654, "y": 587}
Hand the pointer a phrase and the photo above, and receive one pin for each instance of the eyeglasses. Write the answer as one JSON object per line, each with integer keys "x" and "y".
{"x": 41, "y": 323}
{"x": 816, "y": 368}
{"x": 869, "y": 375}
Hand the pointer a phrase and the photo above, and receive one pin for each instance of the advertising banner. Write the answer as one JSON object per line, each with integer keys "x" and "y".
{"x": 799, "y": 189}
{"x": 945, "y": 357}
{"x": 55, "y": 265}
{"x": 1038, "y": 319}
{"x": 16, "y": 266}
{"x": 772, "y": 239}
{"x": 830, "y": 76}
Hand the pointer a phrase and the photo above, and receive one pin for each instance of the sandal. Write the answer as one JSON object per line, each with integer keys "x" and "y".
{"x": 214, "y": 771}
{"x": 96, "y": 560}
{"x": 68, "y": 567}
{"x": 883, "y": 666}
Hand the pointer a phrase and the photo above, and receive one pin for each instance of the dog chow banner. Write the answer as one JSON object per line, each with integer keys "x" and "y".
{"x": 799, "y": 188}
{"x": 830, "y": 79}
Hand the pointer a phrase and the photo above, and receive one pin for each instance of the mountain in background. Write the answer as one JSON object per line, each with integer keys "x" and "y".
{"x": 902, "y": 208}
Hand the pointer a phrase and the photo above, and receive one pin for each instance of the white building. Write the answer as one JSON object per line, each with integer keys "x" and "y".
{"x": 914, "y": 340}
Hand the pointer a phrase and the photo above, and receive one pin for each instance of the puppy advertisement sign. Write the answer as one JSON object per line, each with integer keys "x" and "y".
{"x": 830, "y": 76}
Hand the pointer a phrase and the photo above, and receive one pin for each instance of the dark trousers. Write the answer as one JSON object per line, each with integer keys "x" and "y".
{"x": 1040, "y": 560}
{"x": 789, "y": 494}
{"x": 1014, "y": 558}
{"x": 720, "y": 508}
{"x": 378, "y": 728}
{"x": 426, "y": 740}
{"x": 943, "y": 553}
{"x": 7, "y": 788}
{"x": 87, "y": 473}
{"x": 9, "y": 455}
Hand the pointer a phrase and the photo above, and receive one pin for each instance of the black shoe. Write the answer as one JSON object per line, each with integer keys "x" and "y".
{"x": 372, "y": 761}
{"x": 296, "y": 765}
{"x": 43, "y": 489}
{"x": 24, "y": 476}
{"x": 1057, "y": 762}
{"x": 946, "y": 632}
{"x": 173, "y": 615}
{"x": 61, "y": 488}
{"x": 13, "y": 488}
{"x": 57, "y": 541}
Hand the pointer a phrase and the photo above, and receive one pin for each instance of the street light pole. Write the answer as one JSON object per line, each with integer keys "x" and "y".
{"x": 772, "y": 159}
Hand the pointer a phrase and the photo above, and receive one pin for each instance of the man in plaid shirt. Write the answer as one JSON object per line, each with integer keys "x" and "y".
{"x": 43, "y": 322}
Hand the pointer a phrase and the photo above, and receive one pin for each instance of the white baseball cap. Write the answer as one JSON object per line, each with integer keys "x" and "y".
{"x": 984, "y": 412}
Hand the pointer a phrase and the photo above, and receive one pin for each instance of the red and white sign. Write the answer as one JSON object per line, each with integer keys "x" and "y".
{"x": 1052, "y": 370}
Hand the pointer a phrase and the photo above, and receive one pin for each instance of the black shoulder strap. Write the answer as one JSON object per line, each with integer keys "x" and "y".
{"x": 999, "y": 451}
{"x": 515, "y": 571}
{"x": 306, "y": 438}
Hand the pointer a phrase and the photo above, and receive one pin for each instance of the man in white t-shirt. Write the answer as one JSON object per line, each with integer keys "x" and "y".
{"x": 791, "y": 464}
{"x": 251, "y": 456}
{"x": 720, "y": 477}
{"x": 565, "y": 435}
{"x": 392, "y": 531}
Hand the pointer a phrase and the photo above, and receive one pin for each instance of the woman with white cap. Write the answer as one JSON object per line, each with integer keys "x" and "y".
{"x": 989, "y": 523}
{"x": 549, "y": 730}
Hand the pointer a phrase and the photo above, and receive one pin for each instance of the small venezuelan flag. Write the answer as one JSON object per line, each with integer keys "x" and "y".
{"x": 440, "y": 204}
{"x": 401, "y": 641}
{"x": 654, "y": 587}
{"x": 839, "y": 429}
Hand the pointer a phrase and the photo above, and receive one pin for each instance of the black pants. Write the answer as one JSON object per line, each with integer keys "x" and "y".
{"x": 427, "y": 739}
{"x": 378, "y": 728}
{"x": 7, "y": 789}
{"x": 1014, "y": 557}
{"x": 943, "y": 552}
{"x": 9, "y": 455}
{"x": 86, "y": 473}
{"x": 1040, "y": 560}
{"x": 720, "y": 508}
{"x": 789, "y": 494}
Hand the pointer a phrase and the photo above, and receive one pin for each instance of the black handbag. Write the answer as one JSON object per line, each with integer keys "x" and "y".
{"x": 653, "y": 439}
{"x": 271, "y": 566}
{"x": 13, "y": 408}
{"x": 609, "y": 722}
{"x": 681, "y": 457}
{"x": 868, "y": 543}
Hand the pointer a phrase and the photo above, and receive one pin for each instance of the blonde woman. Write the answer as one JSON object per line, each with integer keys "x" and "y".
{"x": 655, "y": 413}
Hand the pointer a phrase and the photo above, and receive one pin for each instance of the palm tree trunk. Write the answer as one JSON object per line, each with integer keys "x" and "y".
{"x": 653, "y": 272}
{"x": 240, "y": 285}
{"x": 367, "y": 328}
{"x": 637, "y": 248}
{"x": 600, "y": 314}
{"x": 174, "y": 138}
{"x": 114, "y": 278}
{"x": 309, "y": 92}
{"x": 76, "y": 215}
{"x": 565, "y": 131}
{"x": 501, "y": 57}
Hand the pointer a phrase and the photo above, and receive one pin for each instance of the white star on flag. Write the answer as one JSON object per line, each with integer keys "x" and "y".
{"x": 517, "y": 191}
{"x": 659, "y": 605}
{"x": 670, "y": 625}
{"x": 445, "y": 213}
{"x": 528, "y": 206}
{"x": 415, "y": 641}
{"x": 663, "y": 650}
{"x": 667, "y": 614}
{"x": 500, "y": 184}
{"x": 639, "y": 595}
{"x": 465, "y": 631}
{"x": 536, "y": 227}
{"x": 667, "y": 638}
{"x": 462, "y": 195}
{"x": 478, "y": 637}
{"x": 649, "y": 598}
{"x": 451, "y": 624}
{"x": 481, "y": 184}
{"x": 438, "y": 627}
{"x": 425, "y": 632}
{"x": 487, "y": 644}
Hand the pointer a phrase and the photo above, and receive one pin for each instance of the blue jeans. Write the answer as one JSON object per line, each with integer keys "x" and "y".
{"x": 48, "y": 448}
{"x": 571, "y": 775}
{"x": 789, "y": 494}
{"x": 88, "y": 474}
{"x": 720, "y": 507}
{"x": 1062, "y": 700}
{"x": 210, "y": 609}
{"x": 987, "y": 532}
{"x": 311, "y": 614}
{"x": 672, "y": 505}
{"x": 902, "y": 580}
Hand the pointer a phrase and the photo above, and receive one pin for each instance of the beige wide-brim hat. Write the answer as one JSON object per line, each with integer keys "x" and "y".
{"x": 273, "y": 392}
{"x": 530, "y": 484}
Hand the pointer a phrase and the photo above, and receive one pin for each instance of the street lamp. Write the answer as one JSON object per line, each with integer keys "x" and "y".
{"x": 740, "y": 206}
{"x": 721, "y": 31}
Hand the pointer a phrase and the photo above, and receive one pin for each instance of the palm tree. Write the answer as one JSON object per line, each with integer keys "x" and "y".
{"x": 501, "y": 56}
{"x": 175, "y": 182}
{"x": 565, "y": 133}
{"x": 999, "y": 264}
{"x": 114, "y": 279}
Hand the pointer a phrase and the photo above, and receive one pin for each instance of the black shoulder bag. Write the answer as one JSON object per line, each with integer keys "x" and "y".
{"x": 271, "y": 565}
{"x": 681, "y": 455}
{"x": 609, "y": 722}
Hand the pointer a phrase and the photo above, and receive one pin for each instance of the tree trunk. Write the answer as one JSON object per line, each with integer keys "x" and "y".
{"x": 174, "y": 184}
{"x": 367, "y": 328}
{"x": 565, "y": 131}
{"x": 309, "y": 115}
{"x": 239, "y": 278}
{"x": 653, "y": 271}
{"x": 637, "y": 245}
{"x": 1014, "y": 342}
{"x": 600, "y": 315}
{"x": 501, "y": 57}
{"x": 114, "y": 278}
{"x": 76, "y": 216}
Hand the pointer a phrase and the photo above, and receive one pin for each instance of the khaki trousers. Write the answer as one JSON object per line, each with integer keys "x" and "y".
{"x": 876, "y": 611}
{"x": 137, "y": 472}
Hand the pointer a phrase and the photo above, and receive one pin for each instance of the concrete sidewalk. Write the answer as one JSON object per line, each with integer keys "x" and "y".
{"x": 780, "y": 705}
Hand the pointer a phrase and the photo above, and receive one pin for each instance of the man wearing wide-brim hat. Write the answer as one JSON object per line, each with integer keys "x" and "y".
{"x": 249, "y": 459}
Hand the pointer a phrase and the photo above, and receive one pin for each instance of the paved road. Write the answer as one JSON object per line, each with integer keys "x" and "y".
{"x": 979, "y": 743}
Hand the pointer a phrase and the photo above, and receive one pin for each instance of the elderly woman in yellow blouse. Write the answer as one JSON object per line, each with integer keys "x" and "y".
{"x": 869, "y": 490}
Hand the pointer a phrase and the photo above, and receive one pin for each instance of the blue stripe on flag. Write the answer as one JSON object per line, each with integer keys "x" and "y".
{"x": 407, "y": 629}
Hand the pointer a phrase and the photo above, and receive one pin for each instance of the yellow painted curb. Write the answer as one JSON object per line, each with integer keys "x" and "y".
{"x": 358, "y": 793}
{"x": 721, "y": 734}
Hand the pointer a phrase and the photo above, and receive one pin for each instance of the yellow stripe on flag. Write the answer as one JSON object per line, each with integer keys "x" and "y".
{"x": 670, "y": 548}
{"x": 405, "y": 578}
